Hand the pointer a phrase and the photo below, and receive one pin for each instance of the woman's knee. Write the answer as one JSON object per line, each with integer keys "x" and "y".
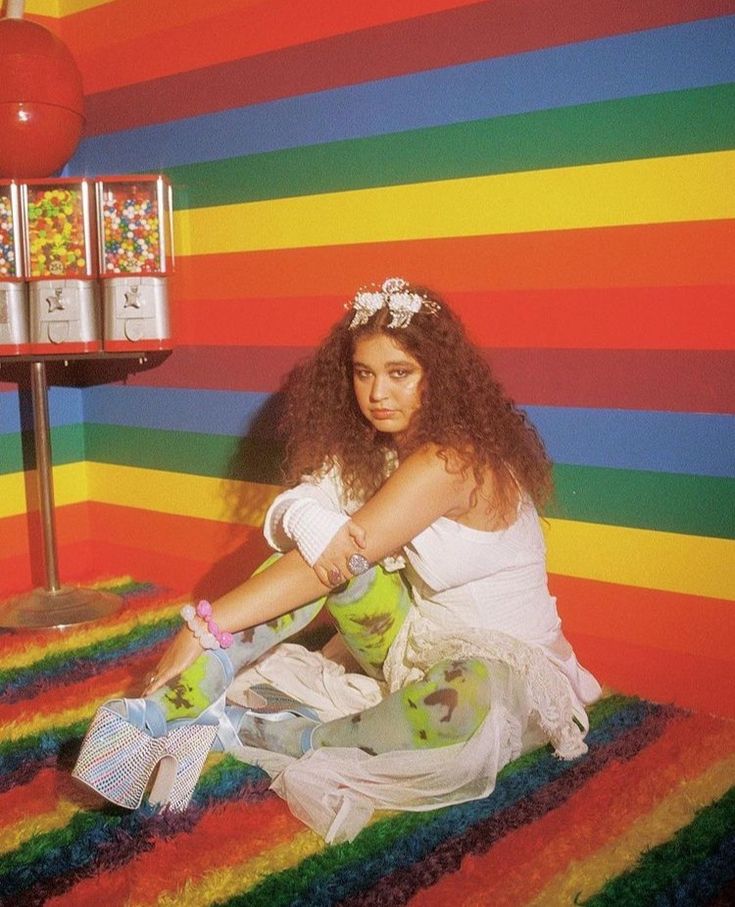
{"x": 369, "y": 612}
{"x": 451, "y": 701}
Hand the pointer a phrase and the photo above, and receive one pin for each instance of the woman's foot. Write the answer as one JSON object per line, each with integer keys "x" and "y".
{"x": 282, "y": 732}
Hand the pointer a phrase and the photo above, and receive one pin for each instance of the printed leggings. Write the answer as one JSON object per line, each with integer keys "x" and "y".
{"x": 446, "y": 706}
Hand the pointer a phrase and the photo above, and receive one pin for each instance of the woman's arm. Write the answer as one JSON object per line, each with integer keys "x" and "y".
{"x": 285, "y": 585}
{"x": 417, "y": 493}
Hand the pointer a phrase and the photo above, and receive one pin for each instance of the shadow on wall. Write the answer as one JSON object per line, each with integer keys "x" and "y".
{"x": 256, "y": 466}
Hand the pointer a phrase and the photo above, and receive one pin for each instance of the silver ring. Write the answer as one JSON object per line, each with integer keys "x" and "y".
{"x": 358, "y": 564}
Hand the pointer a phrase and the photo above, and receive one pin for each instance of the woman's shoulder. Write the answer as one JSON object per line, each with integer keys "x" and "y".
{"x": 436, "y": 465}
{"x": 443, "y": 457}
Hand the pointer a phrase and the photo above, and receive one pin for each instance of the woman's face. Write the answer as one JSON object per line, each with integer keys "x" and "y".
{"x": 387, "y": 382}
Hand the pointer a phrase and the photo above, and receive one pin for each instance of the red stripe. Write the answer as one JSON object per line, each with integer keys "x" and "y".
{"x": 671, "y": 380}
{"x": 694, "y": 317}
{"x": 126, "y": 680}
{"x": 636, "y": 616}
{"x": 25, "y": 800}
{"x": 118, "y": 44}
{"x": 474, "y": 32}
{"x": 516, "y": 867}
{"x": 692, "y": 681}
{"x": 243, "y": 830}
{"x": 649, "y": 255}
{"x": 18, "y": 533}
{"x": 23, "y": 573}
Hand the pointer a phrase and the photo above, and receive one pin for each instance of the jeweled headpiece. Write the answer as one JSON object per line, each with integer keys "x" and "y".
{"x": 395, "y": 294}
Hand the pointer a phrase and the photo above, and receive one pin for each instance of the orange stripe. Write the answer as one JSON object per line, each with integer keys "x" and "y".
{"x": 522, "y": 862}
{"x": 676, "y": 318}
{"x": 644, "y": 255}
{"x": 689, "y": 624}
{"x": 114, "y": 45}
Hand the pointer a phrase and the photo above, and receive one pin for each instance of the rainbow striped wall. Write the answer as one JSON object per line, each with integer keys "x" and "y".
{"x": 560, "y": 170}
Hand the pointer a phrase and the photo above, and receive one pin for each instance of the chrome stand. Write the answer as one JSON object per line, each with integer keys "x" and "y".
{"x": 56, "y": 605}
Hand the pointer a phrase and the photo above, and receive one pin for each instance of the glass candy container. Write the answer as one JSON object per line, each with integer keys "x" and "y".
{"x": 61, "y": 266}
{"x": 136, "y": 256}
{"x": 14, "y": 328}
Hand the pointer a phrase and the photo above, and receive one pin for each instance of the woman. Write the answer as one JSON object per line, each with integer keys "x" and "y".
{"x": 422, "y": 481}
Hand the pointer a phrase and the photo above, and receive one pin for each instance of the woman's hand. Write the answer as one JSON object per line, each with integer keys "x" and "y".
{"x": 331, "y": 567}
{"x": 183, "y": 651}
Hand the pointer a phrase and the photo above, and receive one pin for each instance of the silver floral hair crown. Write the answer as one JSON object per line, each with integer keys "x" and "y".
{"x": 402, "y": 303}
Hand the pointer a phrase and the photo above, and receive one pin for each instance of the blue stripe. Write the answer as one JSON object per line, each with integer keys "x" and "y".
{"x": 692, "y": 55}
{"x": 64, "y": 406}
{"x": 689, "y": 443}
{"x": 180, "y": 409}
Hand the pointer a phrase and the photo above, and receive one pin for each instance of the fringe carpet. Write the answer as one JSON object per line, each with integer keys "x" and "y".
{"x": 647, "y": 817}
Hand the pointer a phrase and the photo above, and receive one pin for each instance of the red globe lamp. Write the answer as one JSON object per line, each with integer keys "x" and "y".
{"x": 41, "y": 100}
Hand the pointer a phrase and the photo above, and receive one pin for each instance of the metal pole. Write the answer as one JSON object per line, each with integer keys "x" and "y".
{"x": 55, "y": 606}
{"x": 42, "y": 440}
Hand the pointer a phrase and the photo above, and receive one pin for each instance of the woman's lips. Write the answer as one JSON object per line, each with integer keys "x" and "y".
{"x": 382, "y": 413}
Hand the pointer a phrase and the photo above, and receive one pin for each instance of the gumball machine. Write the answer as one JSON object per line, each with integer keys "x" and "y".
{"x": 14, "y": 338}
{"x": 136, "y": 257}
{"x": 61, "y": 266}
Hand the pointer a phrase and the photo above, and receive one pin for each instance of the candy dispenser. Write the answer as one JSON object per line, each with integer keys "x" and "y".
{"x": 135, "y": 249}
{"x": 60, "y": 266}
{"x": 14, "y": 336}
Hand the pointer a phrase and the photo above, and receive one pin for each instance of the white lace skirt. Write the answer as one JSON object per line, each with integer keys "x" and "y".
{"x": 335, "y": 791}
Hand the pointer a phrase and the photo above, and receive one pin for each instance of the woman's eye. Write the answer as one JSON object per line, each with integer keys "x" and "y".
{"x": 399, "y": 373}
{"x": 361, "y": 373}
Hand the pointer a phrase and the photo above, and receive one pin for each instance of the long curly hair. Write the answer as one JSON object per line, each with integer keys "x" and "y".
{"x": 463, "y": 410}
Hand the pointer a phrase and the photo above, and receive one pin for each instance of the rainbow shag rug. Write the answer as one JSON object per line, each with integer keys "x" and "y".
{"x": 647, "y": 817}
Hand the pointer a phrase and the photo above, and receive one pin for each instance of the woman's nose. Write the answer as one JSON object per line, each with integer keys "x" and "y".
{"x": 379, "y": 389}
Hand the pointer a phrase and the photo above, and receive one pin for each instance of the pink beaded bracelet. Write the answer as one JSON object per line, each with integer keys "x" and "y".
{"x": 200, "y": 622}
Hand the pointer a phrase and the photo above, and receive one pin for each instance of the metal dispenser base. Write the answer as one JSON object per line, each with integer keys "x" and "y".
{"x": 44, "y": 608}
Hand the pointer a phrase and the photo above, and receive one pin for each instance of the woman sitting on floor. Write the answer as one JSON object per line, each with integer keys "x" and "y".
{"x": 416, "y": 524}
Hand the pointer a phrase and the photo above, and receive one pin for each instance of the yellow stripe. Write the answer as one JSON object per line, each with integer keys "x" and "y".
{"x": 580, "y": 880}
{"x": 14, "y": 835}
{"x": 69, "y": 7}
{"x": 57, "y": 9}
{"x": 70, "y": 487}
{"x": 48, "y": 8}
{"x": 656, "y": 190}
{"x": 223, "y": 500}
{"x": 692, "y": 564}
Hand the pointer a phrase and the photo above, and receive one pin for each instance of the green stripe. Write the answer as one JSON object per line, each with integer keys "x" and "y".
{"x": 661, "y": 869}
{"x": 668, "y": 502}
{"x": 681, "y": 122}
{"x": 218, "y": 456}
{"x": 67, "y": 446}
